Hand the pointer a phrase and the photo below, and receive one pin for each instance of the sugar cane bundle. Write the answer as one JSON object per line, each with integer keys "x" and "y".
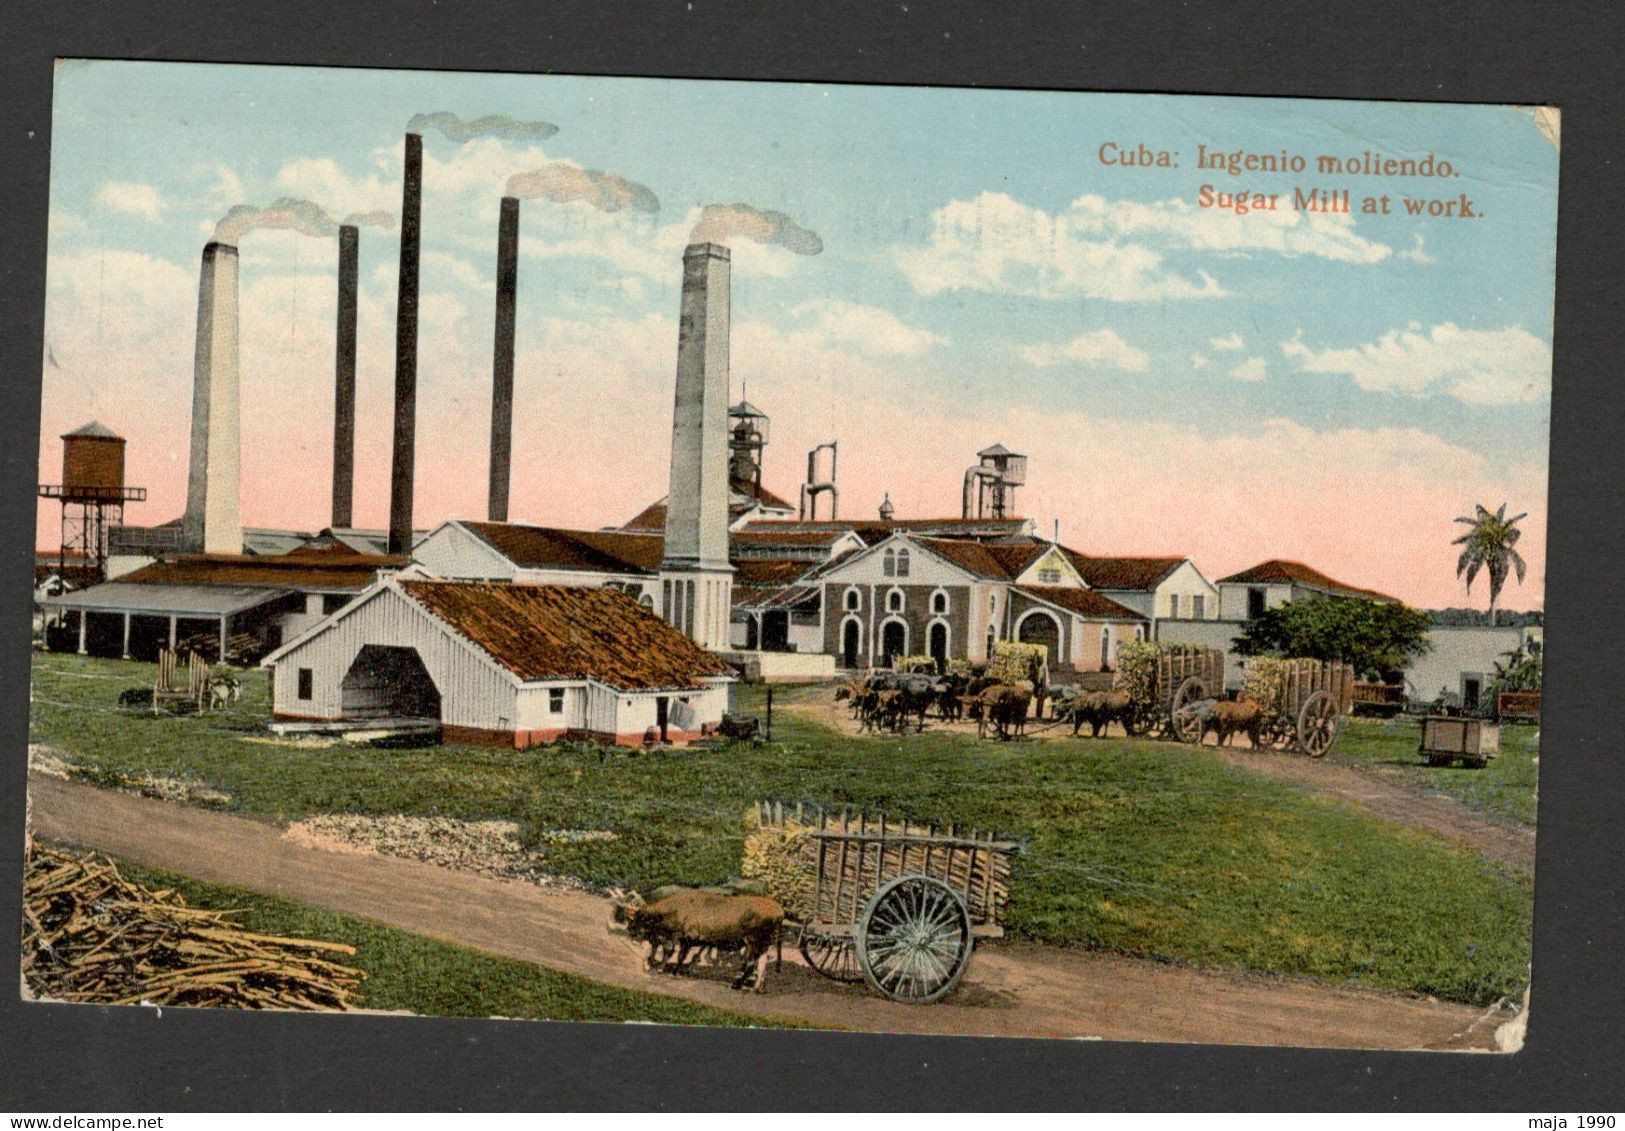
{"x": 90, "y": 935}
{"x": 783, "y": 859}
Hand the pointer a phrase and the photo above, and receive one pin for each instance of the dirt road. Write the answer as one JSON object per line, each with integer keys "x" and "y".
{"x": 1502, "y": 841}
{"x": 1013, "y": 990}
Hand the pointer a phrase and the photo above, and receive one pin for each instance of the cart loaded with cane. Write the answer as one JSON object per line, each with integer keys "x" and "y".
{"x": 898, "y": 905}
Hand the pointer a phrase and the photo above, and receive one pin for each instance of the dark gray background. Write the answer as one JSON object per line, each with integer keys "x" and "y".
{"x": 80, "y": 1058}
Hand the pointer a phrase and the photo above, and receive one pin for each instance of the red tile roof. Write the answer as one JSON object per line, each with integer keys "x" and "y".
{"x": 973, "y": 557}
{"x": 1279, "y": 571}
{"x": 596, "y": 551}
{"x": 1123, "y": 573}
{"x": 567, "y": 632}
{"x": 754, "y": 535}
{"x": 347, "y": 571}
{"x": 1084, "y": 602}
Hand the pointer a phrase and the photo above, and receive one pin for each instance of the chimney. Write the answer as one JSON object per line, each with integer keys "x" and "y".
{"x": 697, "y": 580}
{"x": 406, "y": 353}
{"x": 502, "y": 360}
{"x": 213, "y": 522}
{"x": 344, "y": 382}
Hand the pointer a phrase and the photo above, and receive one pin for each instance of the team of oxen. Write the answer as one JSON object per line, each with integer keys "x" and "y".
{"x": 898, "y": 701}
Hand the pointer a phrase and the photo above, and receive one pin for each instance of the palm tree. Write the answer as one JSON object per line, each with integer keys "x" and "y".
{"x": 1489, "y": 546}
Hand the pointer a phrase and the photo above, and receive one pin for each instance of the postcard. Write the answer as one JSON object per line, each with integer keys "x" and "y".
{"x": 917, "y": 560}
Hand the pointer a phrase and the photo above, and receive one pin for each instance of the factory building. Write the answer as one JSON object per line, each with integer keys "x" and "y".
{"x": 500, "y": 664}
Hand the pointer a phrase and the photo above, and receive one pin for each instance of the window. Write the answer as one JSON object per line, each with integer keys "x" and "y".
{"x": 939, "y": 602}
{"x": 990, "y": 642}
{"x": 1173, "y": 604}
{"x": 1255, "y": 603}
{"x": 888, "y": 563}
{"x": 333, "y": 602}
{"x": 992, "y": 602}
{"x": 902, "y": 563}
{"x": 1139, "y": 632}
{"x": 1049, "y": 576}
{"x": 1199, "y": 607}
{"x": 1105, "y": 649}
{"x": 555, "y": 700}
{"x": 894, "y": 600}
{"x": 647, "y": 601}
{"x": 307, "y": 681}
{"x": 853, "y": 601}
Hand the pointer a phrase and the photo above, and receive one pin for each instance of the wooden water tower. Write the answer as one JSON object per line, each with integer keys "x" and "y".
{"x": 92, "y": 494}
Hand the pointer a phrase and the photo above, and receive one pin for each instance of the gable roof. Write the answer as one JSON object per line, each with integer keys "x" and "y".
{"x": 877, "y": 530}
{"x": 1122, "y": 573}
{"x": 742, "y": 497}
{"x": 1084, "y": 602}
{"x": 1280, "y": 571}
{"x": 542, "y": 632}
{"x": 595, "y": 551}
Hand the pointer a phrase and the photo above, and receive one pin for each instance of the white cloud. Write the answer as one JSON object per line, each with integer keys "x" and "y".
{"x": 1486, "y": 367}
{"x": 1231, "y": 341}
{"x": 1254, "y": 369}
{"x": 1101, "y": 349}
{"x": 994, "y": 243}
{"x": 1110, "y": 249}
{"x": 1198, "y": 361}
{"x": 61, "y": 223}
{"x": 459, "y": 269}
{"x": 131, "y": 198}
{"x": 320, "y": 179}
{"x": 1417, "y": 253}
{"x": 869, "y": 329}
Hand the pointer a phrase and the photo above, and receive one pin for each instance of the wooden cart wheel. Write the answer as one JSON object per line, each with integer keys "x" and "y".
{"x": 833, "y": 956}
{"x": 1183, "y": 721}
{"x": 1318, "y": 723}
{"x": 914, "y": 939}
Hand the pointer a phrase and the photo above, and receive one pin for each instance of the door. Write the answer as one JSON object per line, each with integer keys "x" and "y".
{"x": 893, "y": 642}
{"x": 662, "y": 715}
{"x": 939, "y": 643}
{"x": 1040, "y": 628}
{"x": 851, "y": 637}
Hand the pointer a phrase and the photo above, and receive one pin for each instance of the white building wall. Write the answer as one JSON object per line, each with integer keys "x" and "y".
{"x": 1460, "y": 652}
{"x": 1186, "y": 583}
{"x": 453, "y": 552}
{"x": 1233, "y": 598}
{"x": 474, "y": 692}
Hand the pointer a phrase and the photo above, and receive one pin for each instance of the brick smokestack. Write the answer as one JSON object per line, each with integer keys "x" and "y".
{"x": 406, "y": 352}
{"x": 696, "y": 576}
{"x": 502, "y": 360}
{"x": 213, "y": 522}
{"x": 344, "y": 381}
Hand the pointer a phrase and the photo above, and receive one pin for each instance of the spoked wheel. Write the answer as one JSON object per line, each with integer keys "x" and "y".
{"x": 914, "y": 939}
{"x": 833, "y": 956}
{"x": 1183, "y": 721}
{"x": 1318, "y": 723}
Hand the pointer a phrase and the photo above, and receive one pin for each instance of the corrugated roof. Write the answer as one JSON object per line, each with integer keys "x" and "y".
{"x": 595, "y": 551}
{"x": 349, "y": 572}
{"x": 568, "y": 632}
{"x": 754, "y": 535}
{"x": 95, "y": 430}
{"x": 742, "y": 497}
{"x": 1084, "y": 602}
{"x": 1122, "y": 573}
{"x": 875, "y": 530}
{"x": 1280, "y": 571}
{"x": 124, "y": 596}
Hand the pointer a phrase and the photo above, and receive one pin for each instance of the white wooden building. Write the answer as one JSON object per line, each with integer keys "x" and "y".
{"x": 502, "y": 664}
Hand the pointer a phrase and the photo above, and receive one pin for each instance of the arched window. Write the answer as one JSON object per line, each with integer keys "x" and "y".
{"x": 990, "y": 641}
{"x": 646, "y": 601}
{"x": 854, "y": 600}
{"x": 1105, "y": 648}
{"x": 902, "y": 563}
{"x": 992, "y": 602}
{"x": 1139, "y": 632}
{"x": 888, "y": 562}
{"x": 894, "y": 600}
{"x": 939, "y": 603}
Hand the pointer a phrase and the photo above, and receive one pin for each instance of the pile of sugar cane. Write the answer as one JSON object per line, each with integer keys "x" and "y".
{"x": 91, "y": 935}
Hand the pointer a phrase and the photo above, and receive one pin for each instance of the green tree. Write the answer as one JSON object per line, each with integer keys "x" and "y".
{"x": 1489, "y": 546}
{"x": 1378, "y": 637}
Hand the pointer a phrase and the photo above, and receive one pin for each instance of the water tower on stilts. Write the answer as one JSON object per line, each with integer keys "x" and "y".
{"x": 92, "y": 494}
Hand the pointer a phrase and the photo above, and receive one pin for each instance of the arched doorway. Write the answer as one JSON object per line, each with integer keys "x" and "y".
{"x": 893, "y": 642}
{"x": 388, "y": 682}
{"x": 851, "y": 644}
{"x": 938, "y": 642}
{"x": 1041, "y": 628}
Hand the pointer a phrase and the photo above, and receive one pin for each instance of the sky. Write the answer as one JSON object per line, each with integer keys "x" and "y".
{"x": 1185, "y": 379}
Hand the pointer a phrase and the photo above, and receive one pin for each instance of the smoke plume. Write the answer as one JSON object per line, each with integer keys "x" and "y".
{"x": 719, "y": 223}
{"x": 492, "y": 125}
{"x": 287, "y": 212}
{"x": 378, "y": 218}
{"x": 560, "y": 182}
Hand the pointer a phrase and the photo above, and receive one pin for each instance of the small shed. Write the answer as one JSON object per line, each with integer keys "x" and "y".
{"x": 500, "y": 664}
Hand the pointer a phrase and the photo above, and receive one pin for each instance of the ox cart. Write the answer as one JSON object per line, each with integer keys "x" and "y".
{"x": 898, "y": 905}
{"x": 1304, "y": 704}
{"x": 1183, "y": 676}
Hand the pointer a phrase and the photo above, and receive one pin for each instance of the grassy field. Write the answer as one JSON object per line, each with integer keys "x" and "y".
{"x": 407, "y": 971}
{"x": 1505, "y": 788}
{"x": 1145, "y": 848}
